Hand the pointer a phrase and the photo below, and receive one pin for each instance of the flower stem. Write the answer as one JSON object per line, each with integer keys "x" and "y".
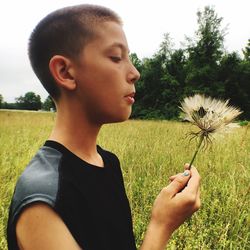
{"x": 196, "y": 151}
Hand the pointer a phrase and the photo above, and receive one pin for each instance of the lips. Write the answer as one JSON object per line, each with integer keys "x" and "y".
{"x": 130, "y": 97}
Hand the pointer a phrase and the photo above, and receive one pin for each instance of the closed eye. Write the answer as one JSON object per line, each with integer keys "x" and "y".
{"x": 116, "y": 59}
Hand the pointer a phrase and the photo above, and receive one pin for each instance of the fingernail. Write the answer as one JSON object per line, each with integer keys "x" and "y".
{"x": 186, "y": 173}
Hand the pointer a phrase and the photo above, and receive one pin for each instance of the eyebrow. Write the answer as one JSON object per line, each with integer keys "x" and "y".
{"x": 119, "y": 45}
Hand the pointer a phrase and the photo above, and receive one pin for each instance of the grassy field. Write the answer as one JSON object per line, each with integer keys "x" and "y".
{"x": 149, "y": 152}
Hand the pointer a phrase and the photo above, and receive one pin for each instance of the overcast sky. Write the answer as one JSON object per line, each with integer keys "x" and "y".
{"x": 145, "y": 22}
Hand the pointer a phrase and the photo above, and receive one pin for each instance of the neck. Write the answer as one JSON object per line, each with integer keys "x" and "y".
{"x": 77, "y": 134}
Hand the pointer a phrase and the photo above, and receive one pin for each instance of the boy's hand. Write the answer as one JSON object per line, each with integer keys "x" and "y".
{"x": 178, "y": 201}
{"x": 174, "y": 204}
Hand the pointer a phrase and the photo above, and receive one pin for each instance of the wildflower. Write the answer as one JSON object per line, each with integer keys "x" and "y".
{"x": 210, "y": 115}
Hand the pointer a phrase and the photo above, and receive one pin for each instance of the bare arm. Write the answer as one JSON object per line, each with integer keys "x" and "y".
{"x": 39, "y": 227}
{"x": 175, "y": 203}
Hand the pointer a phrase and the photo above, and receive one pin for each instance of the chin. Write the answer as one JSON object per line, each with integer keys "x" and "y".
{"x": 122, "y": 117}
{"x": 117, "y": 120}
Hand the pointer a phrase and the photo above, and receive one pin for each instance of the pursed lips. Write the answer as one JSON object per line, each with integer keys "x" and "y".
{"x": 130, "y": 97}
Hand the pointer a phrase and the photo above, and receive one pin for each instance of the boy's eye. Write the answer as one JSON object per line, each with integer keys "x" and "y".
{"x": 116, "y": 58}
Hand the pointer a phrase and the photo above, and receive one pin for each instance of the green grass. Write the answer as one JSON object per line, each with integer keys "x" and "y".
{"x": 150, "y": 152}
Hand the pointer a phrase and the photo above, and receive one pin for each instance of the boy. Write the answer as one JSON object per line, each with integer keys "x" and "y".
{"x": 71, "y": 195}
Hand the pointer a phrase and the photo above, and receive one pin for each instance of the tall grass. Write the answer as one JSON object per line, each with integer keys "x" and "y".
{"x": 149, "y": 153}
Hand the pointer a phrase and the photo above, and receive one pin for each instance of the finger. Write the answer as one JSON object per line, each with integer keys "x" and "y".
{"x": 178, "y": 183}
{"x": 171, "y": 178}
{"x": 187, "y": 166}
{"x": 197, "y": 204}
{"x": 194, "y": 182}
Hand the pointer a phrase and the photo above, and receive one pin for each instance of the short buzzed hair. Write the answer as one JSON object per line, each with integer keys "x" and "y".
{"x": 64, "y": 32}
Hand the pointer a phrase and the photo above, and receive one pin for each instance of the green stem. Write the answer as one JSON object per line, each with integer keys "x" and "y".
{"x": 196, "y": 151}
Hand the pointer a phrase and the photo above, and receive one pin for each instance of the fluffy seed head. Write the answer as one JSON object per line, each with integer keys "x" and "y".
{"x": 209, "y": 115}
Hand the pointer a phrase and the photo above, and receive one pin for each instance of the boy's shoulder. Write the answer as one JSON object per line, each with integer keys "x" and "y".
{"x": 39, "y": 181}
{"x": 106, "y": 153}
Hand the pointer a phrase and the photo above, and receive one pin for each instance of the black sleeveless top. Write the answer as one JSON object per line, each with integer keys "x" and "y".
{"x": 90, "y": 200}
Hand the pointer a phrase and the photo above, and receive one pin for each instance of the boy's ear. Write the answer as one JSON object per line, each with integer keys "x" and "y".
{"x": 62, "y": 71}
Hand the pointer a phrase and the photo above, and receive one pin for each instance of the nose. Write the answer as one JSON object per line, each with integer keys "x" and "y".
{"x": 133, "y": 75}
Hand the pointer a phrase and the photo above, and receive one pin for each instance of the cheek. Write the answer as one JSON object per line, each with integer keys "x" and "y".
{"x": 102, "y": 84}
{"x": 101, "y": 77}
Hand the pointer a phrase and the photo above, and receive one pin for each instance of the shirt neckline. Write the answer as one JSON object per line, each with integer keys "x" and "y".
{"x": 64, "y": 150}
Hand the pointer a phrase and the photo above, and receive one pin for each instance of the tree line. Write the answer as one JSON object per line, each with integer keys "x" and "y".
{"x": 30, "y": 101}
{"x": 201, "y": 65}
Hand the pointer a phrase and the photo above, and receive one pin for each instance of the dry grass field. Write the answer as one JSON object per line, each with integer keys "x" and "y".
{"x": 150, "y": 151}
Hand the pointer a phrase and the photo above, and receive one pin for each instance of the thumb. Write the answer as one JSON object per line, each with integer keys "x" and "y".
{"x": 178, "y": 183}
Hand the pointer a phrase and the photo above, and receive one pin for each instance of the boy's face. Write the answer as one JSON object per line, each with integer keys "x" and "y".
{"x": 105, "y": 76}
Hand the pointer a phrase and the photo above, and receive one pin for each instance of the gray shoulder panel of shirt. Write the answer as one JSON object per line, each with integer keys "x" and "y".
{"x": 39, "y": 181}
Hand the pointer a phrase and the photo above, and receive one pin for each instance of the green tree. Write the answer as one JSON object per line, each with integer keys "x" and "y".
{"x": 161, "y": 83}
{"x": 136, "y": 61}
{"x": 1, "y": 101}
{"x": 48, "y": 104}
{"x": 228, "y": 73}
{"x": 244, "y": 94}
{"x": 246, "y": 51}
{"x": 30, "y": 101}
{"x": 172, "y": 78}
{"x": 235, "y": 74}
{"x": 205, "y": 54}
{"x": 148, "y": 89}
{"x": 174, "y": 75}
{"x": 166, "y": 47}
